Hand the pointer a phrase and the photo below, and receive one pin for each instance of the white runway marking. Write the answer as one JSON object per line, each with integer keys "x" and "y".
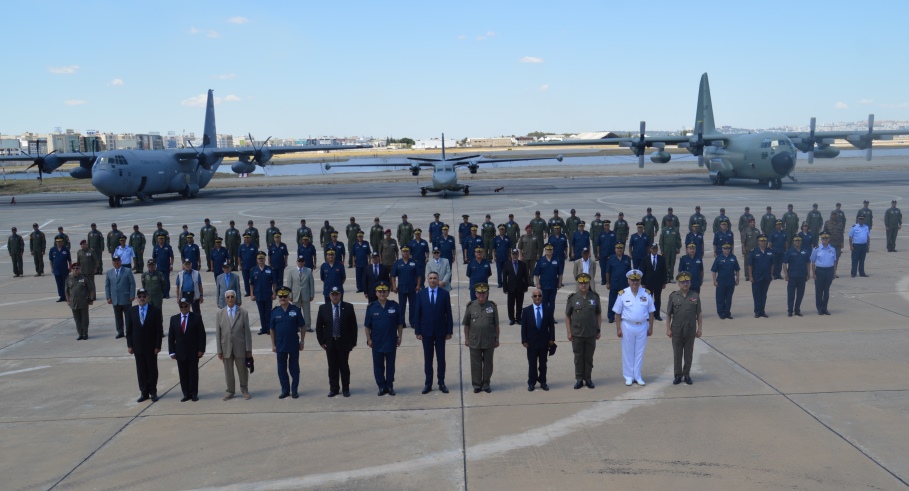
{"x": 44, "y": 224}
{"x": 23, "y": 370}
{"x": 902, "y": 286}
{"x": 28, "y": 301}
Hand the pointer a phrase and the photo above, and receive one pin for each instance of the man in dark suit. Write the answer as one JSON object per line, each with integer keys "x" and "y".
{"x": 514, "y": 283}
{"x": 144, "y": 331}
{"x": 654, "y": 278}
{"x": 433, "y": 324}
{"x": 336, "y": 330}
{"x": 537, "y": 335}
{"x": 186, "y": 344}
{"x": 372, "y": 274}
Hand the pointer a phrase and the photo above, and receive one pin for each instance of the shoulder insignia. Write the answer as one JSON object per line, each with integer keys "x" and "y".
{"x": 621, "y": 292}
{"x": 648, "y": 291}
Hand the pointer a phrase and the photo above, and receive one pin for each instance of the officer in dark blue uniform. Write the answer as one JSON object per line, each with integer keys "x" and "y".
{"x": 163, "y": 254}
{"x": 616, "y": 267}
{"x": 807, "y": 237}
{"x": 286, "y": 327}
{"x": 580, "y": 240}
{"x": 447, "y": 245}
{"x": 761, "y": 273}
{"x": 559, "y": 246}
{"x": 725, "y": 278}
{"x": 360, "y": 250}
{"x": 384, "y": 325}
{"x": 605, "y": 248}
{"x": 722, "y": 236}
{"x": 795, "y": 271}
{"x": 308, "y": 252}
{"x": 277, "y": 255}
{"x": 474, "y": 240}
{"x": 262, "y": 281}
{"x": 778, "y": 239}
{"x": 639, "y": 243}
{"x": 333, "y": 275}
{"x": 60, "y": 261}
{"x": 694, "y": 265}
{"x": 247, "y": 253}
{"x": 502, "y": 246}
{"x": 547, "y": 276}
{"x": 463, "y": 233}
{"x": 478, "y": 269}
{"x": 336, "y": 245}
{"x": 697, "y": 238}
{"x": 191, "y": 251}
{"x": 419, "y": 251}
{"x": 435, "y": 229}
{"x": 405, "y": 281}
{"x": 217, "y": 257}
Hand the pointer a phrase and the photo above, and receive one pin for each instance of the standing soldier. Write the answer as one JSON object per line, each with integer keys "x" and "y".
{"x": 671, "y": 244}
{"x": 634, "y": 324}
{"x": 795, "y": 272}
{"x": 96, "y": 244}
{"x": 893, "y": 221}
{"x": 540, "y": 231}
{"x": 621, "y": 229}
{"x": 191, "y": 251}
{"x": 60, "y": 234}
{"x": 154, "y": 283}
{"x": 488, "y": 232}
{"x": 446, "y": 245}
{"x": 405, "y": 231}
{"x": 182, "y": 241}
{"x": 639, "y": 245}
{"x": 15, "y": 245}
{"x": 419, "y": 251}
{"x": 253, "y": 233}
{"x": 823, "y": 262}
{"x": 513, "y": 230}
{"x": 618, "y": 265}
{"x": 694, "y": 266}
{"x": 547, "y": 277}
{"x": 352, "y": 229}
{"x": 790, "y": 224}
{"x": 675, "y": 220}
{"x": 384, "y": 325}
{"x": 651, "y": 225}
{"x": 61, "y": 260}
{"x": 572, "y": 223}
{"x": 286, "y": 324}
{"x": 807, "y": 237}
{"x": 527, "y": 245}
{"x": 277, "y": 256}
{"x": 840, "y": 216}
{"x": 481, "y": 335}
{"x": 113, "y": 239}
{"x": 435, "y": 229}
{"x": 463, "y": 234}
{"x": 86, "y": 259}
{"x": 218, "y": 257}
{"x": 376, "y": 234}
{"x": 683, "y": 324}
{"x": 338, "y": 247}
{"x": 859, "y": 244}
{"x": 80, "y": 294}
{"x": 163, "y": 255}
{"x": 697, "y": 238}
{"x": 835, "y": 228}
{"x": 725, "y": 271}
{"x": 867, "y": 213}
{"x": 270, "y": 234}
{"x": 232, "y": 242}
{"x": 303, "y": 231}
{"x": 749, "y": 243}
{"x": 262, "y": 283}
{"x": 501, "y": 245}
{"x": 580, "y": 241}
{"x": 478, "y": 270}
{"x": 761, "y": 272}
{"x": 596, "y": 226}
{"x": 137, "y": 242}
{"x": 815, "y": 223}
{"x": 605, "y": 247}
{"x": 743, "y": 221}
{"x": 778, "y": 246}
{"x": 768, "y": 222}
{"x": 388, "y": 250}
{"x": 160, "y": 231}
{"x": 583, "y": 316}
{"x": 718, "y": 220}
{"x": 555, "y": 220}
{"x": 722, "y": 236}
{"x": 360, "y": 251}
{"x": 405, "y": 281}
{"x": 207, "y": 235}
{"x": 37, "y": 245}
{"x": 698, "y": 218}
{"x": 248, "y": 253}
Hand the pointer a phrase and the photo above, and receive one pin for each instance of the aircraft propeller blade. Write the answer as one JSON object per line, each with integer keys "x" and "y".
{"x": 870, "y": 137}
{"x": 811, "y": 127}
{"x": 641, "y": 161}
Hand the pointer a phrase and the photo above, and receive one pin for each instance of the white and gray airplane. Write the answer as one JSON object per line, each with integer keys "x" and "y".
{"x": 120, "y": 174}
{"x": 444, "y": 170}
{"x": 765, "y": 157}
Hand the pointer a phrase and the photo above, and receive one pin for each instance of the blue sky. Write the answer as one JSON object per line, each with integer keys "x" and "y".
{"x": 303, "y": 68}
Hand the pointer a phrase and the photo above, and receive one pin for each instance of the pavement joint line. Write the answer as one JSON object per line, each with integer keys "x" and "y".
{"x": 811, "y": 415}
{"x": 56, "y": 324}
{"x": 27, "y": 301}
{"x": 24, "y": 370}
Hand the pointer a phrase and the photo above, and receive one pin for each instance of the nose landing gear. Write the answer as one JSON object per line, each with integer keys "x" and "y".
{"x": 115, "y": 201}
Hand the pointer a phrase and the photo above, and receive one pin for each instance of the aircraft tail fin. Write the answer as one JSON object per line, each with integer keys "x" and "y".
{"x": 209, "y": 135}
{"x": 704, "y": 112}
{"x": 443, "y": 146}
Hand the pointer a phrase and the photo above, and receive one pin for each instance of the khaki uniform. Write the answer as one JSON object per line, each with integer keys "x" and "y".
{"x": 388, "y": 251}
{"x": 154, "y": 283}
{"x": 96, "y": 243}
{"x": 79, "y": 292}
{"x": 683, "y": 311}
{"x": 88, "y": 259}
{"x": 582, "y": 310}
{"x": 207, "y": 235}
{"x": 527, "y": 244}
{"x": 482, "y": 322}
{"x": 749, "y": 243}
{"x": 137, "y": 242}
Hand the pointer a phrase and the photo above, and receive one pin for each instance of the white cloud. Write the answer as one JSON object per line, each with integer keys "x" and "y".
{"x": 531, "y": 59}
{"x": 213, "y": 34}
{"x": 193, "y": 30}
{"x": 490, "y": 34}
{"x": 461, "y": 37}
{"x": 543, "y": 88}
{"x": 238, "y": 20}
{"x": 199, "y": 100}
{"x": 866, "y": 101}
{"x": 117, "y": 82}
{"x": 229, "y": 98}
{"x": 901, "y": 105}
{"x": 75, "y": 102}
{"x": 481, "y": 38}
{"x": 840, "y": 105}
{"x": 226, "y": 76}
{"x": 63, "y": 70}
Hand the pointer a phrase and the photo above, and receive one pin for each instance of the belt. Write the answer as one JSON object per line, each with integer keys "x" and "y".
{"x": 823, "y": 267}
{"x": 634, "y": 323}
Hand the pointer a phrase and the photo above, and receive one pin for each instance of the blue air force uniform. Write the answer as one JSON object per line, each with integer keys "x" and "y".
{"x": 60, "y": 261}
{"x": 338, "y": 247}
{"x": 406, "y": 274}
{"x": 559, "y": 249}
{"x": 447, "y": 247}
{"x": 807, "y": 238}
{"x": 435, "y": 231}
{"x": 218, "y": 256}
{"x": 192, "y": 254}
{"x": 478, "y": 272}
{"x": 698, "y": 239}
{"x": 606, "y": 243}
{"x": 332, "y": 275}
{"x": 463, "y": 235}
{"x": 824, "y": 259}
{"x": 502, "y": 246}
{"x": 725, "y": 268}
{"x": 617, "y": 267}
{"x": 287, "y": 325}
{"x": 419, "y": 250}
{"x": 262, "y": 282}
{"x": 695, "y": 267}
{"x": 549, "y": 272}
{"x": 309, "y": 254}
{"x": 277, "y": 255}
{"x": 383, "y": 323}
{"x": 721, "y": 238}
{"x": 640, "y": 247}
{"x": 761, "y": 276}
{"x": 360, "y": 252}
{"x": 778, "y": 239}
{"x": 859, "y": 235}
{"x": 473, "y": 243}
{"x": 579, "y": 241}
{"x": 796, "y": 261}
{"x": 163, "y": 256}
{"x": 247, "y": 255}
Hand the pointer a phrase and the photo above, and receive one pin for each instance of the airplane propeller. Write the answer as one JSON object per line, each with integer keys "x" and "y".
{"x": 260, "y": 155}
{"x": 869, "y": 138}
{"x": 41, "y": 163}
{"x": 696, "y": 146}
{"x": 865, "y": 141}
{"x": 201, "y": 157}
{"x": 638, "y": 146}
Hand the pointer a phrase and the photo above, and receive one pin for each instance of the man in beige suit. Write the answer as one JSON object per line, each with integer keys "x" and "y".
{"x": 585, "y": 264}
{"x": 234, "y": 341}
{"x": 302, "y": 287}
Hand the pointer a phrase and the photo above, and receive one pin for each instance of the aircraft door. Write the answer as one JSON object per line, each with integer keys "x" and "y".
{"x": 142, "y": 184}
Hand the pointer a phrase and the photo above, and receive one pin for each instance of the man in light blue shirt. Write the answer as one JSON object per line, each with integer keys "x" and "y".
{"x": 823, "y": 265}
{"x": 859, "y": 242}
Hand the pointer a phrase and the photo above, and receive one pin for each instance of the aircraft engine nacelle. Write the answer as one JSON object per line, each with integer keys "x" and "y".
{"x": 243, "y": 167}
{"x": 81, "y": 173}
{"x": 415, "y": 170}
{"x": 827, "y": 152}
{"x": 858, "y": 141}
{"x": 473, "y": 168}
{"x": 263, "y": 156}
{"x": 660, "y": 157}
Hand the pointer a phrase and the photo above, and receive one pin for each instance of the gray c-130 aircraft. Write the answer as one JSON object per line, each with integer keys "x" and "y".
{"x": 766, "y": 157}
{"x": 120, "y": 174}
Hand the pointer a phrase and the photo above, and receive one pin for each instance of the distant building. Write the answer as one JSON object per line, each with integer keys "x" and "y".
{"x": 225, "y": 141}
{"x": 431, "y": 143}
{"x": 594, "y": 135}
{"x": 501, "y": 141}
{"x": 10, "y": 146}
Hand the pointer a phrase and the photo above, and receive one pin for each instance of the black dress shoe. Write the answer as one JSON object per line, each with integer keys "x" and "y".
{"x": 142, "y": 398}
{"x": 262, "y": 332}
{"x": 185, "y": 399}
{"x": 728, "y": 316}
{"x": 688, "y": 380}
{"x": 332, "y": 394}
{"x": 789, "y": 314}
{"x": 578, "y": 384}
{"x": 295, "y": 395}
{"x": 544, "y": 386}
{"x": 476, "y": 390}
{"x": 154, "y": 397}
{"x": 195, "y": 398}
{"x": 119, "y": 335}
{"x": 510, "y": 323}
{"x": 530, "y": 388}
{"x": 283, "y": 395}
{"x": 79, "y": 338}
{"x": 757, "y": 315}
{"x": 381, "y": 392}
{"x": 426, "y": 389}
{"x": 656, "y": 317}
{"x": 826, "y": 312}
{"x": 863, "y": 275}
{"x": 345, "y": 392}
{"x": 443, "y": 389}
{"x": 590, "y": 384}
{"x": 391, "y": 391}
{"x": 309, "y": 329}
{"x": 798, "y": 314}
{"x": 487, "y": 390}
{"x": 677, "y": 380}
{"x": 763, "y": 314}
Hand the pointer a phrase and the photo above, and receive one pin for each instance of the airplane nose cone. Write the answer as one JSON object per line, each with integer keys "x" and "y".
{"x": 783, "y": 163}
{"x": 102, "y": 181}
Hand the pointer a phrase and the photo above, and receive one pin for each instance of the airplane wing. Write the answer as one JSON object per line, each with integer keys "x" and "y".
{"x": 672, "y": 140}
{"x": 251, "y": 151}
{"x": 821, "y": 140}
{"x": 493, "y": 161}
{"x": 49, "y": 162}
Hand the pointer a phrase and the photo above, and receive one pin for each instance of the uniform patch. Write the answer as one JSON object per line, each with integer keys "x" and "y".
{"x": 489, "y": 310}
{"x": 391, "y": 311}
{"x": 593, "y": 302}
{"x": 292, "y": 314}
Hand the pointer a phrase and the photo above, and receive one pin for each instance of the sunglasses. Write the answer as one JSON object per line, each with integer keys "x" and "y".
{"x": 141, "y": 296}
{"x": 536, "y": 296}
{"x": 684, "y": 281}
{"x": 282, "y": 296}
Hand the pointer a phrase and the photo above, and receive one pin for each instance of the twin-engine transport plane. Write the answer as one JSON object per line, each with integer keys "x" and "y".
{"x": 444, "y": 170}
{"x": 765, "y": 157}
{"x": 120, "y": 174}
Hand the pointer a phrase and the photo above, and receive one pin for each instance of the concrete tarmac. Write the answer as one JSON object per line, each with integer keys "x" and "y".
{"x": 813, "y": 402}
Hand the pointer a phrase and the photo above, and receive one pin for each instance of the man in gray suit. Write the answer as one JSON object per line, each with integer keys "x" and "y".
{"x": 302, "y": 287}
{"x": 119, "y": 286}
{"x": 440, "y": 266}
{"x": 226, "y": 282}
{"x": 234, "y": 341}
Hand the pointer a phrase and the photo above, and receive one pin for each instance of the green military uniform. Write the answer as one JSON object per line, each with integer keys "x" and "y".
{"x": 527, "y": 244}
{"x": 743, "y": 222}
{"x": 388, "y": 251}
{"x": 376, "y": 235}
{"x": 815, "y": 223}
{"x": 270, "y": 235}
{"x": 572, "y": 224}
{"x": 791, "y": 225}
{"x": 717, "y": 220}
{"x": 699, "y": 219}
{"x": 488, "y": 232}
{"x": 596, "y": 227}
{"x": 868, "y": 214}
{"x": 80, "y": 292}
{"x": 96, "y": 244}
{"x": 181, "y": 242}
{"x": 232, "y": 240}
{"x": 513, "y": 230}
{"x": 749, "y": 243}
{"x": 581, "y": 312}
{"x": 154, "y": 284}
{"x": 539, "y": 228}
{"x": 671, "y": 244}
{"x": 88, "y": 259}
{"x": 253, "y": 235}
{"x": 893, "y": 220}
{"x": 352, "y": 230}
{"x": 137, "y": 242}
{"x": 482, "y": 324}
{"x": 674, "y": 220}
{"x": 113, "y": 241}
{"x": 15, "y": 245}
{"x": 66, "y": 243}
{"x": 768, "y": 224}
{"x": 555, "y": 221}
{"x": 158, "y": 232}
{"x": 682, "y": 311}
{"x": 325, "y": 235}
{"x": 37, "y": 245}
{"x": 207, "y": 235}
{"x": 621, "y": 229}
{"x": 841, "y": 217}
{"x": 651, "y": 227}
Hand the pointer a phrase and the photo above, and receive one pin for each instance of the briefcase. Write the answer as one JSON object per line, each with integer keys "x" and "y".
{"x": 250, "y": 364}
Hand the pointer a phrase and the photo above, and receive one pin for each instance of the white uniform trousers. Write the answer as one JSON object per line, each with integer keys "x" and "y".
{"x": 634, "y": 340}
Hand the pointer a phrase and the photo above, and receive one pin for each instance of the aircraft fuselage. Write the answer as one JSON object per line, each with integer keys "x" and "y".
{"x": 144, "y": 173}
{"x": 761, "y": 156}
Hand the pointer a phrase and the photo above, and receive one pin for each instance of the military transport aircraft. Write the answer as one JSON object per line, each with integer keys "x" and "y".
{"x": 766, "y": 157}
{"x": 444, "y": 170}
{"x": 120, "y": 174}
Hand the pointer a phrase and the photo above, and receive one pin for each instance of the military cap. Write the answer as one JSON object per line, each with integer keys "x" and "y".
{"x": 796, "y": 238}
{"x": 301, "y": 259}
{"x": 607, "y": 222}
{"x": 556, "y": 210}
{"x": 190, "y": 234}
{"x": 404, "y": 215}
{"x": 655, "y": 245}
{"x": 183, "y": 301}
{"x": 750, "y": 220}
{"x": 582, "y": 222}
{"x": 305, "y": 237}
{"x": 683, "y": 276}
{"x": 418, "y": 231}
{"x": 115, "y": 258}
{"x": 83, "y": 240}
{"x": 727, "y": 245}
{"x": 649, "y": 209}
{"x": 444, "y": 227}
{"x": 435, "y": 250}
{"x": 825, "y": 235}
{"x": 75, "y": 265}
{"x": 481, "y": 288}
{"x": 387, "y": 230}
{"x": 473, "y": 227}
{"x": 186, "y": 226}
{"x": 375, "y": 254}
{"x": 479, "y": 249}
{"x": 804, "y": 224}
{"x": 376, "y": 219}
{"x": 249, "y": 222}
{"x": 330, "y": 252}
{"x": 860, "y": 217}
{"x": 465, "y": 216}
{"x": 261, "y": 254}
{"x": 696, "y": 224}
{"x": 536, "y": 212}
{"x": 405, "y": 249}
{"x": 865, "y": 202}
{"x": 334, "y": 234}
{"x": 382, "y": 286}
{"x": 122, "y": 237}
{"x": 436, "y": 214}
{"x": 692, "y": 244}
{"x": 112, "y": 225}
{"x": 186, "y": 261}
{"x": 779, "y": 222}
{"x": 582, "y": 250}
{"x": 244, "y": 235}
{"x": 620, "y": 246}
{"x": 641, "y": 224}
{"x": 621, "y": 214}
{"x": 548, "y": 246}
{"x": 60, "y": 239}
{"x": 276, "y": 234}
{"x": 34, "y": 225}
{"x": 515, "y": 251}
{"x": 152, "y": 261}
{"x": 283, "y": 291}
{"x": 527, "y": 227}
{"x": 360, "y": 233}
{"x": 219, "y": 239}
{"x": 225, "y": 265}
{"x": 231, "y": 222}
{"x": 501, "y": 227}
{"x": 634, "y": 274}
{"x": 271, "y": 222}
{"x": 93, "y": 224}
{"x": 207, "y": 220}
{"x": 583, "y": 278}
{"x": 762, "y": 237}
{"x": 490, "y": 216}
{"x": 597, "y": 214}
{"x": 14, "y": 229}
{"x": 334, "y": 291}
{"x": 556, "y": 226}
{"x": 573, "y": 211}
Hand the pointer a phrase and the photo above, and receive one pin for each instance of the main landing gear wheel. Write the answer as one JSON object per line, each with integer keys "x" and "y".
{"x": 115, "y": 201}
{"x": 775, "y": 183}
{"x": 466, "y": 190}
{"x": 422, "y": 191}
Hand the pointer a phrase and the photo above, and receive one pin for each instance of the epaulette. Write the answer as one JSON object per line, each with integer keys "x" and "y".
{"x": 648, "y": 292}
{"x": 621, "y": 292}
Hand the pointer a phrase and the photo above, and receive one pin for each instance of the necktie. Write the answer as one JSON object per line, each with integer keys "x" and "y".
{"x": 142, "y": 315}
{"x": 432, "y": 297}
{"x": 226, "y": 280}
{"x": 654, "y": 263}
{"x": 375, "y": 270}
{"x": 539, "y": 317}
{"x": 515, "y": 266}
{"x": 230, "y": 313}
{"x": 336, "y": 326}
{"x": 183, "y": 324}
{"x": 118, "y": 272}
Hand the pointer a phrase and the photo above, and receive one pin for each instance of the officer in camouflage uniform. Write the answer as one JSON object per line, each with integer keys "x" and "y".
{"x": 153, "y": 281}
{"x": 96, "y": 244}
{"x": 137, "y": 242}
{"x": 481, "y": 335}
{"x": 583, "y": 317}
{"x": 388, "y": 250}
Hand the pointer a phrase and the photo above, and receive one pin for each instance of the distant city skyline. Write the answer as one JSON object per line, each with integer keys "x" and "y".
{"x": 477, "y": 69}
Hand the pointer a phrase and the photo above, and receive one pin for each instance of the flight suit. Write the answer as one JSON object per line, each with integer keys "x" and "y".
{"x": 253, "y": 235}
{"x": 768, "y": 224}
{"x": 360, "y": 252}
{"x": 474, "y": 241}
{"x": 815, "y": 224}
{"x": 749, "y": 243}
{"x": 352, "y": 229}
{"x": 488, "y": 232}
{"x": 478, "y": 272}
{"x": 388, "y": 251}
{"x": 376, "y": 235}
{"x": 305, "y": 231}
{"x": 86, "y": 260}
{"x": 807, "y": 239}
{"x": 721, "y": 238}
{"x": 66, "y": 243}
{"x": 596, "y": 227}
{"x": 137, "y": 242}
{"x": 218, "y": 257}
{"x": 113, "y": 241}
{"x": 553, "y": 222}
{"x": 583, "y": 309}
{"x": 181, "y": 242}
{"x": 332, "y": 275}
{"x": 549, "y": 272}
{"x": 743, "y": 222}
{"x": 463, "y": 234}
{"x": 698, "y": 240}
{"x": 405, "y": 233}
{"x": 527, "y": 244}
{"x": 762, "y": 269}
{"x": 791, "y": 225}
{"x": 247, "y": 255}
{"x": 383, "y": 323}
{"x": 620, "y": 227}
{"x": 572, "y": 224}
{"x": 869, "y": 217}
{"x": 683, "y": 310}
{"x": 232, "y": 240}
{"x": 482, "y": 321}
{"x": 725, "y": 267}
{"x": 651, "y": 225}
{"x": 60, "y": 260}
{"x": 419, "y": 252}
{"x": 207, "y": 235}
{"x": 893, "y": 221}
{"x": 513, "y": 231}
{"x": 639, "y": 245}
{"x": 435, "y": 232}
{"x": 699, "y": 219}
{"x": 288, "y": 325}
{"x": 37, "y": 245}
{"x": 79, "y": 293}
{"x": 580, "y": 240}
{"x": 270, "y": 236}
{"x": 155, "y": 283}
{"x": 674, "y": 220}
{"x": 96, "y": 243}
{"x": 15, "y": 245}
{"x": 447, "y": 248}
{"x": 338, "y": 247}
{"x": 671, "y": 244}
{"x": 164, "y": 257}
{"x": 617, "y": 267}
{"x": 159, "y": 232}
{"x": 540, "y": 229}
{"x": 192, "y": 254}
{"x": 716, "y": 223}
